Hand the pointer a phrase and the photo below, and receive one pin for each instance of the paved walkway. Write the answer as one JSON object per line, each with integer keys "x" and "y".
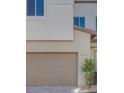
{"x": 50, "y": 89}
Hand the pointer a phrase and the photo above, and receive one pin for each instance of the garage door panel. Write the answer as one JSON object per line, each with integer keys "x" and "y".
{"x": 51, "y": 68}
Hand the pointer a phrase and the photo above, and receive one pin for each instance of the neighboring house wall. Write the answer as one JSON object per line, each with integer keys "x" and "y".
{"x": 56, "y": 24}
{"x": 87, "y": 10}
{"x": 94, "y": 52}
{"x": 80, "y": 44}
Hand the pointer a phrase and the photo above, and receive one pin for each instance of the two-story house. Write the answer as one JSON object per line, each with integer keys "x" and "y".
{"x": 59, "y": 35}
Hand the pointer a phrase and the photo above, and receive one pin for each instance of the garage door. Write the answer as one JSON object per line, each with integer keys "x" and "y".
{"x": 51, "y": 68}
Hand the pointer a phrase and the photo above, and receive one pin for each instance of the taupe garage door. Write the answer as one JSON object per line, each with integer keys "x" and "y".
{"x": 51, "y": 68}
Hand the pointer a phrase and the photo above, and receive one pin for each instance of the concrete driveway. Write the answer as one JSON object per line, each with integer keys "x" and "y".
{"x": 50, "y": 89}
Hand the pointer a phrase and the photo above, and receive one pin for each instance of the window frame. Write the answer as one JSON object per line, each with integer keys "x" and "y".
{"x": 76, "y": 21}
{"x": 36, "y": 18}
{"x": 83, "y": 22}
{"x": 79, "y": 21}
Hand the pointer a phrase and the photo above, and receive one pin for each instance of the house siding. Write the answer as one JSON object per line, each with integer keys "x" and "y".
{"x": 56, "y": 24}
{"x": 80, "y": 44}
{"x": 87, "y": 10}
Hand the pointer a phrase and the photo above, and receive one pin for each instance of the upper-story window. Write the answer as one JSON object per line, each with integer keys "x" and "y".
{"x": 79, "y": 21}
{"x": 35, "y": 7}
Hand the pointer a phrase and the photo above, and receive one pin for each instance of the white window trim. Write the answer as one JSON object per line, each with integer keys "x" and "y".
{"x": 38, "y": 18}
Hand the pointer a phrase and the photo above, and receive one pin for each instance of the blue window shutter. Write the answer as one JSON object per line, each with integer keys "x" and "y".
{"x": 76, "y": 21}
{"x": 82, "y": 22}
{"x": 39, "y": 7}
{"x": 31, "y": 7}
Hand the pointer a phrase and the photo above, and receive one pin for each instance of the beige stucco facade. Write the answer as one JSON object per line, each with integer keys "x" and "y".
{"x": 55, "y": 24}
{"x": 81, "y": 44}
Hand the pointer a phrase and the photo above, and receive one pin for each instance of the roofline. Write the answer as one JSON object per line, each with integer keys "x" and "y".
{"x": 92, "y": 32}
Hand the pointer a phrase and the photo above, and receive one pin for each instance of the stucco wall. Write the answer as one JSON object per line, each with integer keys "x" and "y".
{"x": 85, "y": 0}
{"x": 80, "y": 44}
{"x": 89, "y": 11}
{"x": 57, "y": 24}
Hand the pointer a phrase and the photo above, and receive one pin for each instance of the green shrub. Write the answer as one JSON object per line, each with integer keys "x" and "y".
{"x": 89, "y": 68}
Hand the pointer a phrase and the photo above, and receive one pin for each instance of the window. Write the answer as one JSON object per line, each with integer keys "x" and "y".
{"x": 79, "y": 21}
{"x": 35, "y": 7}
{"x": 82, "y": 22}
{"x": 76, "y": 21}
